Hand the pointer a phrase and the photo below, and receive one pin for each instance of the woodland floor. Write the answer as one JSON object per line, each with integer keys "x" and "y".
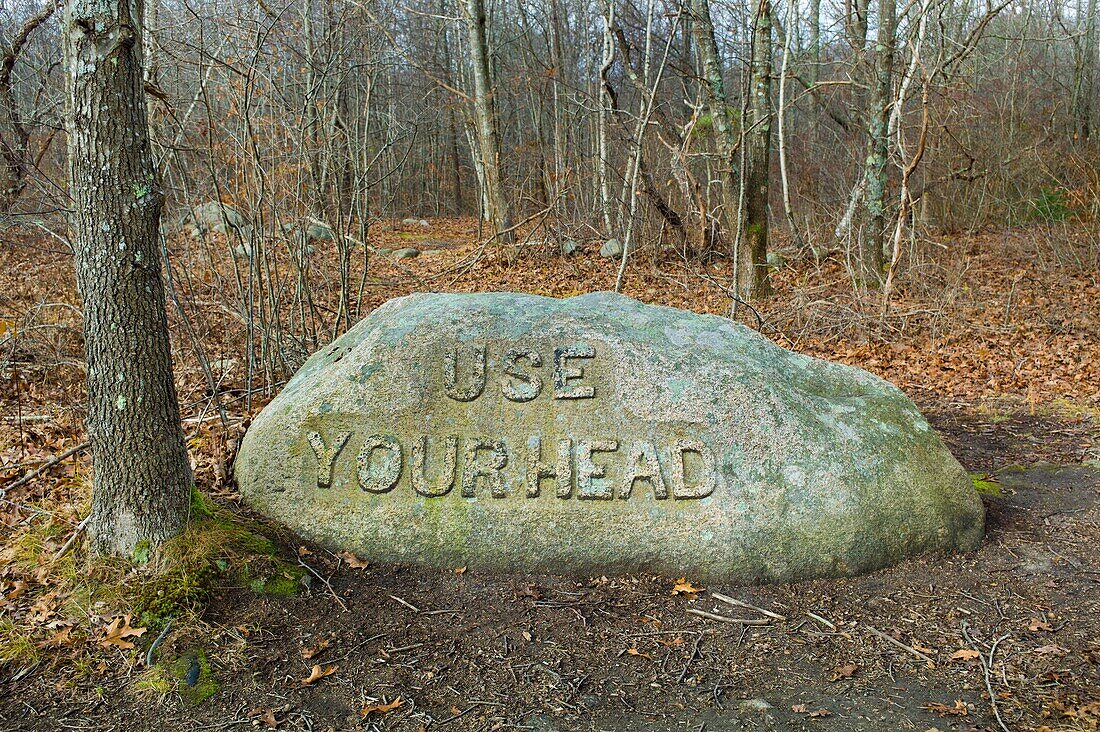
{"x": 995, "y": 335}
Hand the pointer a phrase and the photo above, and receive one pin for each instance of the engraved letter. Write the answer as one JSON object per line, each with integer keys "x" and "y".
{"x": 537, "y": 470}
{"x": 326, "y": 455}
{"x": 563, "y": 373}
{"x": 591, "y": 480}
{"x": 450, "y": 376}
{"x": 473, "y": 467}
{"x": 642, "y": 464}
{"x": 680, "y": 450}
{"x": 418, "y": 474}
{"x": 384, "y": 477}
{"x": 529, "y": 386}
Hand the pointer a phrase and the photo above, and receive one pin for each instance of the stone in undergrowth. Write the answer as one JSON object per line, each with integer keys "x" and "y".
{"x": 594, "y": 435}
{"x": 569, "y": 246}
{"x": 406, "y": 253}
{"x": 215, "y": 216}
{"x": 316, "y": 231}
{"x": 612, "y": 248}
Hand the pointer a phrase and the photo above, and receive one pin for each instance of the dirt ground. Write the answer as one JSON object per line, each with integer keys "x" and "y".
{"x": 1005, "y": 638}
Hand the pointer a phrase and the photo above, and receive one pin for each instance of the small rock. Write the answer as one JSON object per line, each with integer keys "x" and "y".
{"x": 776, "y": 260}
{"x": 569, "y": 246}
{"x": 383, "y": 251}
{"x": 424, "y": 223}
{"x": 318, "y": 232}
{"x": 612, "y": 248}
{"x": 755, "y": 706}
{"x": 406, "y": 253}
{"x": 213, "y": 216}
{"x": 416, "y": 222}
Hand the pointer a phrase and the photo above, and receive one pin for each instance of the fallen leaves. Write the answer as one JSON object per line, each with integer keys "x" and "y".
{"x": 353, "y": 561}
{"x": 318, "y": 673}
{"x": 118, "y": 631}
{"x": 1037, "y": 625}
{"x": 633, "y": 651}
{"x": 812, "y": 714}
{"x": 382, "y": 708}
{"x": 685, "y": 588}
{"x": 844, "y": 672}
{"x": 310, "y": 652}
{"x": 965, "y": 654}
{"x": 958, "y": 710}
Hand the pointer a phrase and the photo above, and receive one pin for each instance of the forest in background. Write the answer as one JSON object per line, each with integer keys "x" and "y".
{"x": 694, "y": 129}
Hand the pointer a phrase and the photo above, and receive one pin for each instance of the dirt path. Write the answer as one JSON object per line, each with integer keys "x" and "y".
{"x": 469, "y": 652}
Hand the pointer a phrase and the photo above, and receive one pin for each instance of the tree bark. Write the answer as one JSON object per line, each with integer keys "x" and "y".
{"x": 488, "y": 133}
{"x": 142, "y": 481}
{"x": 752, "y": 272}
{"x": 870, "y": 256}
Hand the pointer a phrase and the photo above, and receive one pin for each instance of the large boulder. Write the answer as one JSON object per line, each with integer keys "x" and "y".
{"x": 597, "y": 434}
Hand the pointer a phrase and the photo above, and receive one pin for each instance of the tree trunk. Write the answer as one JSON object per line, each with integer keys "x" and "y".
{"x": 752, "y": 270}
{"x": 870, "y": 257}
{"x": 488, "y": 133}
{"x": 752, "y": 248}
{"x": 142, "y": 479}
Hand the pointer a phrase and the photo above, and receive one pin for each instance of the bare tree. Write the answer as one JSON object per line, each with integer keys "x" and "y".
{"x": 488, "y": 134}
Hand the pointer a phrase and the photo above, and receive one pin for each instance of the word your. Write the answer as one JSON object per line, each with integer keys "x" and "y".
{"x": 585, "y": 469}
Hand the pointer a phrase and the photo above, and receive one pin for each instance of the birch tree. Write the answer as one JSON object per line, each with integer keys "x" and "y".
{"x": 142, "y": 480}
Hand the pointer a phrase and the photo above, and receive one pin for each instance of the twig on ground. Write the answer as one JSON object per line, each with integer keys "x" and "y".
{"x": 987, "y": 665}
{"x": 156, "y": 643}
{"x": 694, "y": 653}
{"x": 326, "y": 583}
{"x": 821, "y": 620}
{"x": 77, "y": 532}
{"x": 724, "y": 619}
{"x": 739, "y": 603}
{"x": 46, "y": 466}
{"x": 409, "y": 605}
{"x": 895, "y": 642}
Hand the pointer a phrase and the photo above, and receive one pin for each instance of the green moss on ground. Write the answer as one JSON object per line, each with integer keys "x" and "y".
{"x": 194, "y": 680}
{"x": 984, "y": 485}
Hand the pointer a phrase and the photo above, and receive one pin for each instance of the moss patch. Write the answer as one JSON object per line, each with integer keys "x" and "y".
{"x": 984, "y": 485}
{"x": 195, "y": 681}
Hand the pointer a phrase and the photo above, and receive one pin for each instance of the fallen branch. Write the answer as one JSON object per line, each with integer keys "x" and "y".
{"x": 739, "y": 603}
{"x": 895, "y": 642}
{"x": 326, "y": 583}
{"x": 46, "y": 466}
{"x": 724, "y": 619}
{"x": 79, "y": 530}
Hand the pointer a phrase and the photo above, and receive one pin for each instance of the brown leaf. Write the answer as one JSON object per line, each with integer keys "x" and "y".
{"x": 958, "y": 710}
{"x": 118, "y": 631}
{"x": 382, "y": 708}
{"x": 266, "y": 717}
{"x": 317, "y": 674}
{"x": 62, "y": 637}
{"x": 685, "y": 588}
{"x": 844, "y": 672}
{"x": 460, "y": 570}
{"x": 1038, "y": 624}
{"x": 308, "y": 653}
{"x": 353, "y": 561}
{"x": 633, "y": 651}
{"x": 304, "y": 552}
{"x": 529, "y": 591}
{"x": 1051, "y": 650}
{"x": 965, "y": 654}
